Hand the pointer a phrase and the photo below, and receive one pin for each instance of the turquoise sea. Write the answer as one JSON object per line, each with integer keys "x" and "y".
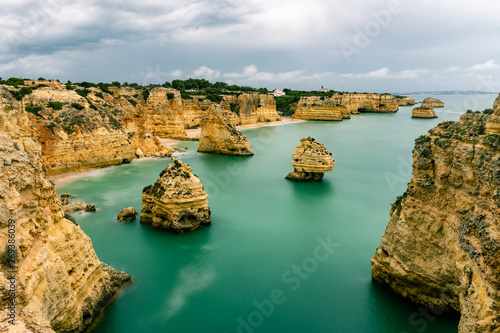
{"x": 280, "y": 256}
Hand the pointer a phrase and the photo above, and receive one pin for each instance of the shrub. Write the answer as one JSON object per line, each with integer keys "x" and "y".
{"x": 92, "y": 106}
{"x": 214, "y": 98}
{"x": 14, "y": 81}
{"x": 82, "y": 92}
{"x": 55, "y": 105}
{"x": 18, "y": 95}
{"x": 131, "y": 101}
{"x": 488, "y": 111}
{"x": 170, "y": 95}
{"x": 77, "y": 106}
{"x": 34, "y": 109}
{"x": 99, "y": 94}
{"x": 145, "y": 94}
{"x": 9, "y": 256}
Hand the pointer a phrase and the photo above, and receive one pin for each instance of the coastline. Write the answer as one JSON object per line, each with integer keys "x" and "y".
{"x": 191, "y": 133}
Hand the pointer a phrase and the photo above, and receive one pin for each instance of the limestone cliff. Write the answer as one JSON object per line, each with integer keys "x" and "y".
{"x": 320, "y": 108}
{"x": 310, "y": 161}
{"x": 341, "y": 106}
{"x": 250, "y": 108}
{"x": 58, "y": 282}
{"x": 405, "y": 101}
{"x": 441, "y": 246}
{"x": 423, "y": 112}
{"x": 78, "y": 133}
{"x": 219, "y": 136}
{"x": 177, "y": 201}
{"x": 369, "y": 102}
{"x": 432, "y": 102}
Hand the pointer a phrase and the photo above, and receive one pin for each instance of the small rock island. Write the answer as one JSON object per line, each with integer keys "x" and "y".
{"x": 177, "y": 201}
{"x": 423, "y": 112}
{"x": 433, "y": 103}
{"x": 310, "y": 161}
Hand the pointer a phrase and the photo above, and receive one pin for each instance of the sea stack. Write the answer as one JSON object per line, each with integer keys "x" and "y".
{"x": 310, "y": 161}
{"x": 442, "y": 244}
{"x": 433, "y": 103}
{"x": 177, "y": 201}
{"x": 423, "y": 112}
{"x": 219, "y": 136}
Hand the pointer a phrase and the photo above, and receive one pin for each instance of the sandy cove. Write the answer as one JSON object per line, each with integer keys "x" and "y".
{"x": 195, "y": 133}
{"x": 191, "y": 133}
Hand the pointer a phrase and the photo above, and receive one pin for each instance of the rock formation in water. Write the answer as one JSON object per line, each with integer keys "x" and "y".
{"x": 355, "y": 102}
{"x": 177, "y": 201}
{"x": 127, "y": 215}
{"x": 310, "y": 161}
{"x": 320, "y": 108}
{"x": 78, "y": 133}
{"x": 341, "y": 106}
{"x": 405, "y": 101}
{"x": 85, "y": 127}
{"x": 219, "y": 136}
{"x": 59, "y": 283}
{"x": 441, "y": 248}
{"x": 423, "y": 112}
{"x": 432, "y": 102}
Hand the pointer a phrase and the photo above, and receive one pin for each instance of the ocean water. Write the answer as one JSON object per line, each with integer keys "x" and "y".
{"x": 280, "y": 256}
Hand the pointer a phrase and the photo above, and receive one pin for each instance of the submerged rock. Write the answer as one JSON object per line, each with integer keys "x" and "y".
{"x": 310, "y": 161}
{"x": 219, "y": 136}
{"x": 423, "y": 112}
{"x": 177, "y": 201}
{"x": 127, "y": 215}
{"x": 74, "y": 206}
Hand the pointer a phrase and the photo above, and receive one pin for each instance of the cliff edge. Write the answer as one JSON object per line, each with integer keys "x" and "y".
{"x": 441, "y": 248}
{"x": 50, "y": 277}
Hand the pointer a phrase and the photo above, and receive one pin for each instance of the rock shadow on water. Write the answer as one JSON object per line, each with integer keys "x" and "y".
{"x": 404, "y": 315}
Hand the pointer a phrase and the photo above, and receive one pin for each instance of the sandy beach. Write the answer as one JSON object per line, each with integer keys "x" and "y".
{"x": 195, "y": 133}
{"x": 190, "y": 133}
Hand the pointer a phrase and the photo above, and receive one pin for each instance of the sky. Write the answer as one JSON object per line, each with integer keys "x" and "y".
{"x": 346, "y": 45}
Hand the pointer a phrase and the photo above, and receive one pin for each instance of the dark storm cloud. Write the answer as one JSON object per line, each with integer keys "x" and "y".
{"x": 347, "y": 45}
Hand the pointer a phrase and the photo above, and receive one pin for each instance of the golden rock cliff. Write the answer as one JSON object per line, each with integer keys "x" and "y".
{"x": 423, "y": 112}
{"x": 320, "y": 108}
{"x": 78, "y": 133}
{"x": 58, "y": 282}
{"x": 441, "y": 247}
{"x": 250, "y": 108}
{"x": 369, "y": 102}
{"x": 405, "y": 101}
{"x": 310, "y": 161}
{"x": 219, "y": 136}
{"x": 341, "y": 106}
{"x": 177, "y": 201}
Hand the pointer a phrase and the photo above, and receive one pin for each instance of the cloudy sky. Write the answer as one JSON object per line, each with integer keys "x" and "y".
{"x": 353, "y": 45}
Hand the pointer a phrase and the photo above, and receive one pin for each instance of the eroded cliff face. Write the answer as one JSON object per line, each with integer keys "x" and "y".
{"x": 78, "y": 133}
{"x": 369, "y": 102}
{"x": 341, "y": 106}
{"x": 405, "y": 101}
{"x": 441, "y": 247}
{"x": 320, "y": 108}
{"x": 83, "y": 128}
{"x": 310, "y": 161}
{"x": 219, "y": 136}
{"x": 58, "y": 281}
{"x": 250, "y": 108}
{"x": 423, "y": 112}
{"x": 177, "y": 201}
{"x": 432, "y": 102}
